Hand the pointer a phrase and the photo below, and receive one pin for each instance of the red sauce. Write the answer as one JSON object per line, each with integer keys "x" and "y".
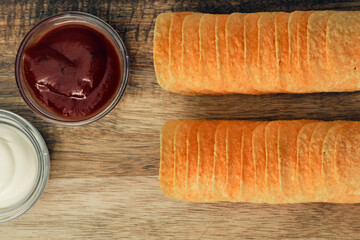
{"x": 73, "y": 71}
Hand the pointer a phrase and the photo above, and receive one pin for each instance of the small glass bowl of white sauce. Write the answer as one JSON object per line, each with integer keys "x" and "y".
{"x": 24, "y": 165}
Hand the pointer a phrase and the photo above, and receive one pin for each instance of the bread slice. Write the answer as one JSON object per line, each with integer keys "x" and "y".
{"x": 220, "y": 162}
{"x": 175, "y": 51}
{"x": 235, "y": 52}
{"x": 304, "y": 76}
{"x": 259, "y": 155}
{"x": 316, "y": 48}
{"x": 208, "y": 80}
{"x": 248, "y": 162}
{"x": 282, "y": 49}
{"x": 287, "y": 157}
{"x": 192, "y": 161}
{"x": 161, "y": 49}
{"x": 180, "y": 158}
{"x": 267, "y": 80}
{"x": 315, "y": 154}
{"x": 234, "y": 173}
{"x": 206, "y": 143}
{"x": 328, "y": 161}
{"x": 166, "y": 172}
{"x": 272, "y": 173}
{"x": 303, "y": 165}
{"x": 251, "y": 50}
{"x": 343, "y": 47}
{"x": 190, "y": 56}
{"x": 221, "y": 53}
{"x": 293, "y": 84}
{"x": 347, "y": 163}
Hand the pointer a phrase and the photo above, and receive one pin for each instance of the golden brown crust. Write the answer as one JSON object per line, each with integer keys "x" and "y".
{"x": 272, "y": 172}
{"x": 282, "y": 48}
{"x": 315, "y": 162}
{"x": 316, "y": 48}
{"x": 221, "y": 56}
{"x": 267, "y": 80}
{"x": 343, "y": 49}
{"x": 175, "y": 51}
{"x": 287, "y": 155}
{"x": 303, "y": 165}
{"x": 293, "y": 51}
{"x": 304, "y": 76}
{"x": 235, "y": 52}
{"x": 272, "y": 162}
{"x": 259, "y": 154}
{"x": 161, "y": 48}
{"x": 166, "y": 172}
{"x": 258, "y": 53}
{"x": 234, "y": 170}
{"x": 206, "y": 144}
{"x": 192, "y": 162}
{"x": 248, "y": 162}
{"x": 208, "y": 80}
{"x": 251, "y": 49}
{"x": 347, "y": 164}
{"x": 180, "y": 158}
{"x": 220, "y": 162}
{"x": 190, "y": 51}
{"x": 328, "y": 161}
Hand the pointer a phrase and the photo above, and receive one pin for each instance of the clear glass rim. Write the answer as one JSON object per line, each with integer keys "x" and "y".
{"x": 42, "y": 152}
{"x": 100, "y": 25}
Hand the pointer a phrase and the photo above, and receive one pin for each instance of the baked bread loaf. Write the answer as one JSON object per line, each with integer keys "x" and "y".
{"x": 258, "y": 53}
{"x": 262, "y": 162}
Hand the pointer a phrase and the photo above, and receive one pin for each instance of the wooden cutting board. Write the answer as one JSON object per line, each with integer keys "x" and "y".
{"x": 103, "y": 181}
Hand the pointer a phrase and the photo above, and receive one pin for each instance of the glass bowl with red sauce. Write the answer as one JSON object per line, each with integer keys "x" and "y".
{"x": 72, "y": 68}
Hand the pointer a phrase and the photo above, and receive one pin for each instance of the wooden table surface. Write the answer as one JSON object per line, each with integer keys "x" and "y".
{"x": 104, "y": 176}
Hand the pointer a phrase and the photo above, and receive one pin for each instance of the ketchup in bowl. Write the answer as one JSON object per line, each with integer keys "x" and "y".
{"x": 73, "y": 71}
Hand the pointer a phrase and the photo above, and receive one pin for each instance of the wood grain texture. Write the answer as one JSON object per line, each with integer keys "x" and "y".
{"x": 104, "y": 182}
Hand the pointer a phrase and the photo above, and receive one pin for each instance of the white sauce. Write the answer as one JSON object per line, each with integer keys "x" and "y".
{"x": 18, "y": 166}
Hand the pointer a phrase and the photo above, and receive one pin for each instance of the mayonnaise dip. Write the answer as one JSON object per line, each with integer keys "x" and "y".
{"x": 19, "y": 166}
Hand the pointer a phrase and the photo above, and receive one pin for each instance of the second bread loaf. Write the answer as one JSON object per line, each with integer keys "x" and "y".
{"x": 271, "y": 162}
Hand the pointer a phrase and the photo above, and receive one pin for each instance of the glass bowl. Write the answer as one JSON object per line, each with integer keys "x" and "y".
{"x": 15, "y": 121}
{"x": 67, "y": 18}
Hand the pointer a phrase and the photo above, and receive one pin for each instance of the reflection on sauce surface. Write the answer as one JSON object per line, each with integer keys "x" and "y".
{"x": 73, "y": 71}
